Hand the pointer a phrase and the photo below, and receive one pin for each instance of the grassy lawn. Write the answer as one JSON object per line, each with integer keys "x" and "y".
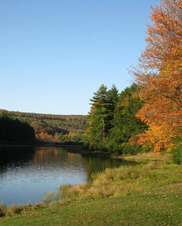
{"x": 149, "y": 193}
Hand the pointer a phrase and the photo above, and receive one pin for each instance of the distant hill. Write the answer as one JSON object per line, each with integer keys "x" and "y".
{"x": 49, "y": 127}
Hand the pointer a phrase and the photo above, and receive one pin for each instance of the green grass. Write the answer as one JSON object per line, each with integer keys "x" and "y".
{"x": 149, "y": 193}
{"x": 130, "y": 210}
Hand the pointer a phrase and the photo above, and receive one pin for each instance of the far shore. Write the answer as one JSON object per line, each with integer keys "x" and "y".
{"x": 67, "y": 144}
{"x": 74, "y": 147}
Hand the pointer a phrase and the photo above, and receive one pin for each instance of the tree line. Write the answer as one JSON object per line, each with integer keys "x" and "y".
{"x": 14, "y": 130}
{"x": 113, "y": 125}
{"x": 145, "y": 116}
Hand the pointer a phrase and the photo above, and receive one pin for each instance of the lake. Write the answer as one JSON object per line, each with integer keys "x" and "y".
{"x": 28, "y": 173}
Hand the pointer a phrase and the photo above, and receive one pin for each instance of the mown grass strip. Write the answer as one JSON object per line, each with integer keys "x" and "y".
{"x": 128, "y": 210}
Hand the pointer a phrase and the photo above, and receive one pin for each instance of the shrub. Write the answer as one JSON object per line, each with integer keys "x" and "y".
{"x": 177, "y": 154}
{"x": 37, "y": 206}
{"x": 2, "y": 210}
{"x": 50, "y": 197}
{"x": 56, "y": 196}
{"x": 63, "y": 190}
{"x": 12, "y": 210}
{"x": 127, "y": 148}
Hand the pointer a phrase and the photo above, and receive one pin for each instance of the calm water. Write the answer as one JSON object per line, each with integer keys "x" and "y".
{"x": 28, "y": 173}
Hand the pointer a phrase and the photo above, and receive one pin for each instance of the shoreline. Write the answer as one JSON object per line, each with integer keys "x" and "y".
{"x": 41, "y": 145}
{"x": 74, "y": 148}
{"x": 120, "y": 191}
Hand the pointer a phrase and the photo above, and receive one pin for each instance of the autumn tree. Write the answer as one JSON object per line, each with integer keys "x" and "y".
{"x": 160, "y": 77}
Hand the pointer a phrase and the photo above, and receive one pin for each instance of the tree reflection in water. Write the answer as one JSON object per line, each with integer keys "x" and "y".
{"x": 27, "y": 173}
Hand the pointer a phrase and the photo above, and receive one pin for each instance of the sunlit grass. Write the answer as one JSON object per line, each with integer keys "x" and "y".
{"x": 13, "y": 210}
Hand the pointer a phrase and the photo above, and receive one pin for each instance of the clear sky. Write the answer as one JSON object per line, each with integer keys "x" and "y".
{"x": 54, "y": 54}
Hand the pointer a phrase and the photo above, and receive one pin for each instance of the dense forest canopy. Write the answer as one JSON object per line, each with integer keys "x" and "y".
{"x": 113, "y": 126}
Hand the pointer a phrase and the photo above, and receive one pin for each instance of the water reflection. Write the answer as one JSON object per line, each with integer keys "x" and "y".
{"x": 99, "y": 164}
{"x": 27, "y": 173}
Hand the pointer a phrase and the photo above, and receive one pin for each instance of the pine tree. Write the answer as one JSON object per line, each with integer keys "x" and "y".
{"x": 101, "y": 116}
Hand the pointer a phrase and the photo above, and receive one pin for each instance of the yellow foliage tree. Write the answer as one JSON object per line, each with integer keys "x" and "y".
{"x": 160, "y": 76}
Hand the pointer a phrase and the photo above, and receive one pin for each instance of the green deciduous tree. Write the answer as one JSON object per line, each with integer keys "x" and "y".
{"x": 126, "y": 126}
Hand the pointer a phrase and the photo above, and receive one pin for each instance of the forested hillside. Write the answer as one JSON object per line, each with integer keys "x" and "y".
{"x": 15, "y": 131}
{"x": 53, "y": 128}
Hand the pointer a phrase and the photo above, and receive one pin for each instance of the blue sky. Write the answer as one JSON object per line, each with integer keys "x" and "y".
{"x": 54, "y": 54}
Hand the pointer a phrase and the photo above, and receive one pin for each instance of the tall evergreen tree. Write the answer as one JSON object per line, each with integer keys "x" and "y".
{"x": 101, "y": 116}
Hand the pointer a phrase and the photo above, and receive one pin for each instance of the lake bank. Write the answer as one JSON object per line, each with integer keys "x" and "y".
{"x": 27, "y": 173}
{"x": 153, "y": 197}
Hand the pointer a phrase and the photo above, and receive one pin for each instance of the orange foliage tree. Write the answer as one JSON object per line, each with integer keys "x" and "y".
{"x": 159, "y": 75}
